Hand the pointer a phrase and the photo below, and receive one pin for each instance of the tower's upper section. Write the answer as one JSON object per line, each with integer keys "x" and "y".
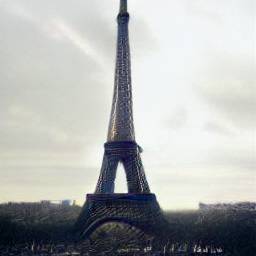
{"x": 123, "y": 6}
{"x": 121, "y": 126}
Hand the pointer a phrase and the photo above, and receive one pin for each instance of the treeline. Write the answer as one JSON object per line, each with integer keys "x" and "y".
{"x": 36, "y": 222}
{"x": 14, "y": 233}
{"x": 39, "y": 213}
{"x": 232, "y": 232}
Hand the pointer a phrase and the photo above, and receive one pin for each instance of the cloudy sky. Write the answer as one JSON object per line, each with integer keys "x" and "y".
{"x": 193, "y": 64}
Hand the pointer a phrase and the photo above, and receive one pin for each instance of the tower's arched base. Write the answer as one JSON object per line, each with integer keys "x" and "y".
{"x": 139, "y": 210}
{"x": 113, "y": 238}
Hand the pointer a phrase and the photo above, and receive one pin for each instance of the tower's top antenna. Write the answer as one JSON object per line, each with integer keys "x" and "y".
{"x": 123, "y": 6}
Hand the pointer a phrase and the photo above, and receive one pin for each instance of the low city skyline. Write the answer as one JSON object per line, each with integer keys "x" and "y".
{"x": 193, "y": 87}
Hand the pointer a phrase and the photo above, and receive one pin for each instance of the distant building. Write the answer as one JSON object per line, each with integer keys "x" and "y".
{"x": 251, "y": 206}
{"x": 66, "y": 202}
{"x": 45, "y": 202}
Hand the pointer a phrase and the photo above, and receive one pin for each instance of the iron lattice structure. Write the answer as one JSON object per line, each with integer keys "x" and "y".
{"x": 121, "y": 145}
{"x": 137, "y": 210}
{"x": 138, "y": 207}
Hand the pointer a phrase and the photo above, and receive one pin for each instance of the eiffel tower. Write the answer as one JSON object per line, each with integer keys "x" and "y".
{"x": 139, "y": 207}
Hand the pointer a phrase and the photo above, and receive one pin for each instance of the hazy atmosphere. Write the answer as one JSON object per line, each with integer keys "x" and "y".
{"x": 193, "y": 72}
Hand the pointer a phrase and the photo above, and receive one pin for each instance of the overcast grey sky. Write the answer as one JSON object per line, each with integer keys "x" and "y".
{"x": 193, "y": 68}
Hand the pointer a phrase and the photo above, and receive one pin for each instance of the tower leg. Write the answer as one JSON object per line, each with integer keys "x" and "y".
{"x": 136, "y": 179}
{"x": 106, "y": 182}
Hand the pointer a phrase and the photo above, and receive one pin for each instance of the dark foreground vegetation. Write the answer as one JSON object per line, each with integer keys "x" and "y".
{"x": 46, "y": 229}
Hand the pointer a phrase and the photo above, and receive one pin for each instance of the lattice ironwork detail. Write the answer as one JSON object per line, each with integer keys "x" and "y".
{"x": 140, "y": 210}
{"x": 121, "y": 145}
{"x": 121, "y": 126}
{"x": 138, "y": 207}
{"x": 128, "y": 153}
